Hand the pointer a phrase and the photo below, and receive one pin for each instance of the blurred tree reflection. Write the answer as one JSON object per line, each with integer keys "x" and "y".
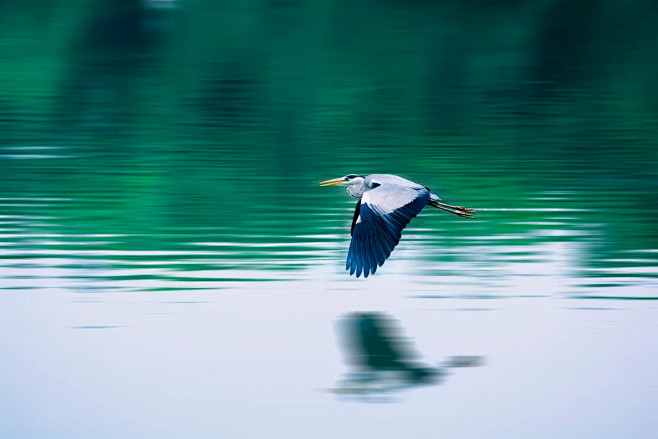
{"x": 185, "y": 106}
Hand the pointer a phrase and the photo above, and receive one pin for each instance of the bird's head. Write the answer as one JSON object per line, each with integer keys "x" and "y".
{"x": 343, "y": 181}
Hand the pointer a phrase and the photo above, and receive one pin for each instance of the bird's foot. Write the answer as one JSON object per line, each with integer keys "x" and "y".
{"x": 462, "y": 211}
{"x": 464, "y": 214}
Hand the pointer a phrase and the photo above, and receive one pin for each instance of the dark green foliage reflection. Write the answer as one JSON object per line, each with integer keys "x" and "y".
{"x": 197, "y": 131}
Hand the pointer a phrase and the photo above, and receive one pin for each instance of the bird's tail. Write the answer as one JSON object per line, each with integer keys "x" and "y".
{"x": 457, "y": 210}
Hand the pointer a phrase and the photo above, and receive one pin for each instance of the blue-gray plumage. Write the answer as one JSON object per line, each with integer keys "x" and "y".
{"x": 386, "y": 205}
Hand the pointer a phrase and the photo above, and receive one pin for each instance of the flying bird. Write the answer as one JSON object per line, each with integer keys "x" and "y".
{"x": 386, "y": 205}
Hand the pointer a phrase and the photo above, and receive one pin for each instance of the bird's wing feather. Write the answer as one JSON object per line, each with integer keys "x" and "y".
{"x": 357, "y": 211}
{"x": 383, "y": 213}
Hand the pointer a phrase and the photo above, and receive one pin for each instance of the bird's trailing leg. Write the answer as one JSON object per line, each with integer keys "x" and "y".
{"x": 462, "y": 211}
{"x": 462, "y": 208}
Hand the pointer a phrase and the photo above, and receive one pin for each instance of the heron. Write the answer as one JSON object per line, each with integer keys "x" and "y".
{"x": 386, "y": 205}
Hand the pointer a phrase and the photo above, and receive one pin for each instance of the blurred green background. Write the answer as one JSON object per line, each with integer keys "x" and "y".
{"x": 177, "y": 122}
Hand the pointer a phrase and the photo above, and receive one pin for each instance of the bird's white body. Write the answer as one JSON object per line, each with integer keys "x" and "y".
{"x": 360, "y": 185}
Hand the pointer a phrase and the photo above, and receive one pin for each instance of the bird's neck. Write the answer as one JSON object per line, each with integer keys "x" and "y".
{"x": 357, "y": 188}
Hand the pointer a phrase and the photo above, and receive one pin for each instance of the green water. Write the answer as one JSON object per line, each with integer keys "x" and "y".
{"x": 159, "y": 173}
{"x": 243, "y": 212}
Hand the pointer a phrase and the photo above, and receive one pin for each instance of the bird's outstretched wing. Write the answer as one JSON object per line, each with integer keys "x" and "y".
{"x": 383, "y": 213}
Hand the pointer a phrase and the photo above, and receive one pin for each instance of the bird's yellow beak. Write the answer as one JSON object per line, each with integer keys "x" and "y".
{"x": 333, "y": 182}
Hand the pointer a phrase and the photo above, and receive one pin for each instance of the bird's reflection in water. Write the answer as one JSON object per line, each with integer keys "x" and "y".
{"x": 383, "y": 360}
